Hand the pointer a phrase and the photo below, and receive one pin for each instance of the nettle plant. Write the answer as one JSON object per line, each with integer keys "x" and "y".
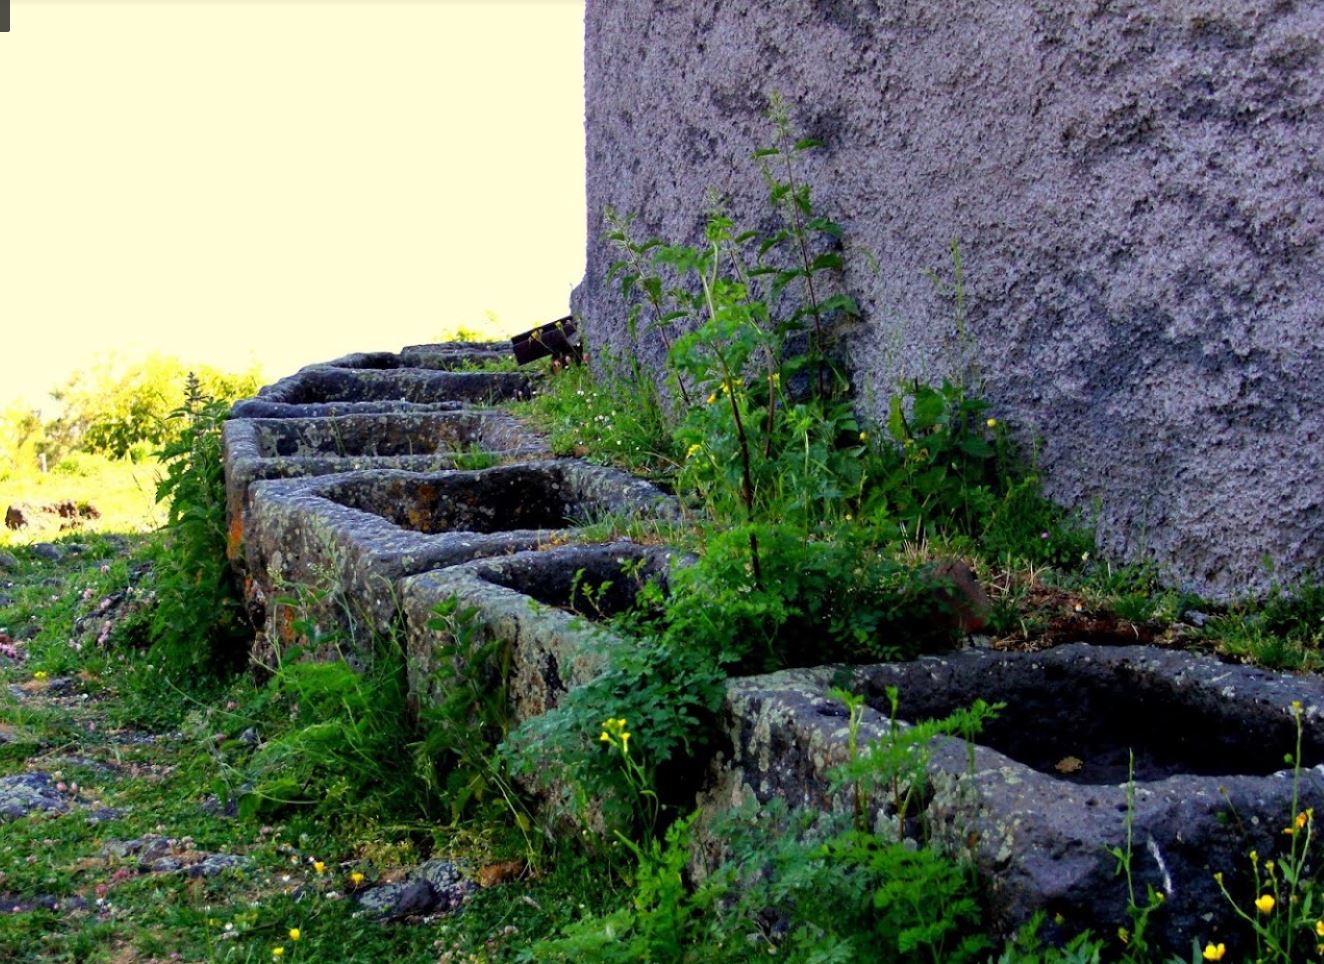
{"x": 762, "y": 409}
{"x": 760, "y": 406}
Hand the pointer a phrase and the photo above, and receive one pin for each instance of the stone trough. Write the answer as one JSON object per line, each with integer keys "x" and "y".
{"x": 323, "y": 390}
{"x": 352, "y": 536}
{"x": 443, "y": 356}
{"x": 1042, "y": 796}
{"x": 546, "y": 607}
{"x": 292, "y": 447}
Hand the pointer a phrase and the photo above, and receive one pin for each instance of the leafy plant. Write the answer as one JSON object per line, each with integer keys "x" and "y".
{"x": 199, "y": 625}
{"x": 1283, "y": 631}
{"x": 327, "y": 735}
{"x": 817, "y": 887}
{"x": 667, "y": 694}
{"x": 461, "y": 730}
{"x": 1134, "y": 938}
{"x": 895, "y": 767}
{"x": 599, "y": 417}
{"x": 338, "y": 755}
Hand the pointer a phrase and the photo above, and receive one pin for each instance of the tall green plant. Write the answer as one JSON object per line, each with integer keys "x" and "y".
{"x": 199, "y": 625}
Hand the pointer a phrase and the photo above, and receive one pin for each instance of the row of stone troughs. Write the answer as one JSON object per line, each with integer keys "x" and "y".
{"x": 364, "y": 492}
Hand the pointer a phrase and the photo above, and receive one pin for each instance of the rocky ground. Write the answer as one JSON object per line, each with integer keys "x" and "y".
{"x": 119, "y": 834}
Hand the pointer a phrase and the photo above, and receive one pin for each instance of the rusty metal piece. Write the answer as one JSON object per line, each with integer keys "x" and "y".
{"x": 556, "y": 338}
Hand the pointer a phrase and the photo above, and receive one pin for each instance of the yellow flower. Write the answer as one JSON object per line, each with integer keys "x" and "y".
{"x": 295, "y": 933}
{"x": 693, "y": 450}
{"x": 864, "y": 436}
{"x": 319, "y": 866}
{"x": 992, "y": 423}
{"x": 278, "y": 952}
{"x": 712, "y": 398}
{"x": 1296, "y": 707}
{"x": 39, "y": 675}
{"x": 625, "y": 741}
{"x": 605, "y": 737}
{"x": 1264, "y": 903}
{"x": 1214, "y": 952}
{"x": 356, "y": 878}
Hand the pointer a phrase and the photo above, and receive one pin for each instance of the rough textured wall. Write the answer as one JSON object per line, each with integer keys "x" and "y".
{"x": 1137, "y": 192}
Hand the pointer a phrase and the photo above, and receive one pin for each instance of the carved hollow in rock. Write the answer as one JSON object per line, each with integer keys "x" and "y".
{"x": 1210, "y": 782}
{"x": 325, "y": 390}
{"x": 545, "y": 606}
{"x": 442, "y": 356}
{"x": 1090, "y": 718}
{"x": 353, "y": 535}
{"x": 291, "y": 447}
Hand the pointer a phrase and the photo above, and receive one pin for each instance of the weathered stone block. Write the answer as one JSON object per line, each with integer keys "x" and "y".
{"x": 324, "y": 390}
{"x": 1042, "y": 796}
{"x": 444, "y": 356}
{"x": 293, "y": 447}
{"x": 354, "y": 535}
{"x": 1138, "y": 193}
{"x": 545, "y": 606}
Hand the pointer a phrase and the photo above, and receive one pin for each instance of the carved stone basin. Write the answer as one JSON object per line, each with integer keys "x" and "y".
{"x": 545, "y": 606}
{"x": 292, "y": 447}
{"x": 441, "y": 356}
{"x": 326, "y": 390}
{"x": 1040, "y": 799}
{"x": 350, "y": 537}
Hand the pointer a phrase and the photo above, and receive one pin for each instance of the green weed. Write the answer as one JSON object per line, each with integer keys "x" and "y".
{"x": 199, "y": 624}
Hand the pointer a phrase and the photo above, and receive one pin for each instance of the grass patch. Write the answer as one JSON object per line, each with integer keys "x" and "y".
{"x": 123, "y": 492}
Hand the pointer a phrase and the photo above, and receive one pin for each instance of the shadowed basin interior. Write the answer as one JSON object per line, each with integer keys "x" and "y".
{"x": 438, "y": 358}
{"x": 375, "y": 361}
{"x": 367, "y": 435}
{"x": 596, "y": 582}
{"x": 1083, "y": 726}
{"x": 365, "y": 385}
{"x": 493, "y": 500}
{"x": 416, "y": 386}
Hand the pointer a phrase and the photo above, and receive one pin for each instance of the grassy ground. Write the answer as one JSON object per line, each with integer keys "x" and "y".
{"x": 122, "y": 492}
{"x": 144, "y": 772}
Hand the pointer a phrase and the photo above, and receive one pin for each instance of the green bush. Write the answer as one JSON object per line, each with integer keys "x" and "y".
{"x": 800, "y": 884}
{"x": 121, "y": 412}
{"x": 199, "y": 627}
{"x": 334, "y": 736}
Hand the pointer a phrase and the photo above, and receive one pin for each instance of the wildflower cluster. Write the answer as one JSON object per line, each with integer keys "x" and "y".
{"x": 1285, "y": 904}
{"x": 638, "y": 775}
{"x": 615, "y": 733}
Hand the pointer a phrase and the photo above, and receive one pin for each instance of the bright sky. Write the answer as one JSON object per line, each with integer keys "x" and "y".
{"x": 282, "y": 180}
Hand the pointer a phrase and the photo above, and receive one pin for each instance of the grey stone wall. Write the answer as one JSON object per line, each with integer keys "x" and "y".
{"x": 1137, "y": 192}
